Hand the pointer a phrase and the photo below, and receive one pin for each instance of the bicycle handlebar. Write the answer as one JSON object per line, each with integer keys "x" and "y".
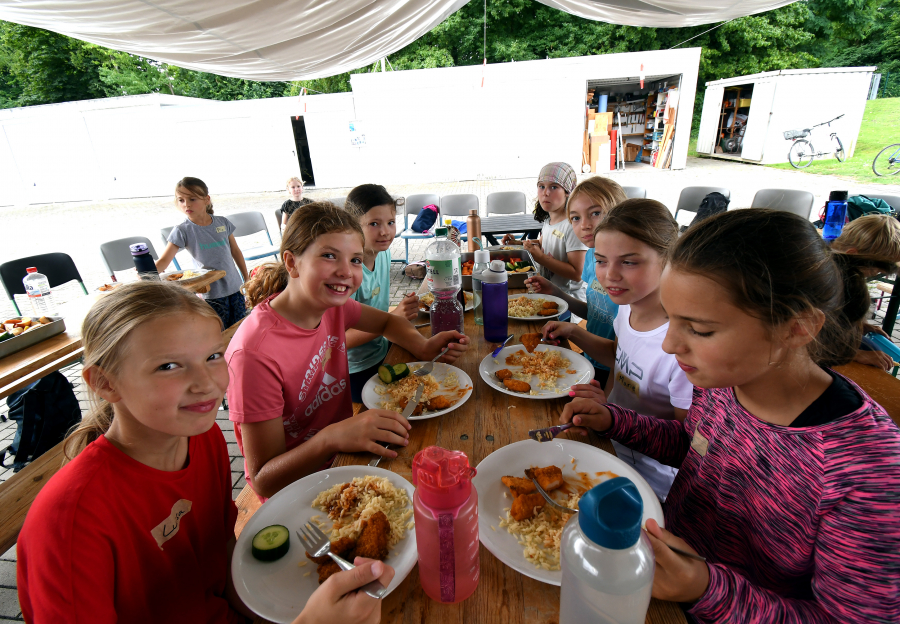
{"x": 829, "y": 122}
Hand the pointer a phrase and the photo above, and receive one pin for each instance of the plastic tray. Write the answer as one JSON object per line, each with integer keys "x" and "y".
{"x": 515, "y": 280}
{"x": 23, "y": 341}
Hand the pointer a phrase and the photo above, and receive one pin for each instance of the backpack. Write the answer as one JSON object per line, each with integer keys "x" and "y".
{"x": 860, "y": 205}
{"x": 425, "y": 219}
{"x": 712, "y": 204}
{"x": 44, "y": 411}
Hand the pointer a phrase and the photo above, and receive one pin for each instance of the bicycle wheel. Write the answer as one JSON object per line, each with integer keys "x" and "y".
{"x": 887, "y": 162}
{"x": 801, "y": 154}
{"x": 839, "y": 149}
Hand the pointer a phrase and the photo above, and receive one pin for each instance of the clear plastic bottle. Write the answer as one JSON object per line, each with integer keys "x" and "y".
{"x": 444, "y": 279}
{"x": 482, "y": 263}
{"x": 445, "y": 505}
{"x": 37, "y": 287}
{"x": 607, "y": 562}
{"x": 495, "y": 295}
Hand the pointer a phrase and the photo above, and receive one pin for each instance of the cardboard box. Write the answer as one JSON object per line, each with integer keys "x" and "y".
{"x": 599, "y": 139}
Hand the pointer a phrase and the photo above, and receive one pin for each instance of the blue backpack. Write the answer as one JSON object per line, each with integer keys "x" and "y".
{"x": 425, "y": 219}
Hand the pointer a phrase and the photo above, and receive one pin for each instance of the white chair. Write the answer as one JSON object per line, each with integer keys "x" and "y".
{"x": 248, "y": 223}
{"x": 691, "y": 197}
{"x": 799, "y": 203}
{"x": 414, "y": 205}
{"x": 635, "y": 192}
{"x": 116, "y": 254}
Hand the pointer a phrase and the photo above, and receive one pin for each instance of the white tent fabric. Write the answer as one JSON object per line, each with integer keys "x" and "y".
{"x": 303, "y": 39}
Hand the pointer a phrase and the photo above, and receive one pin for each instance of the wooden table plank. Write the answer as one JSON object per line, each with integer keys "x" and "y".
{"x": 882, "y": 387}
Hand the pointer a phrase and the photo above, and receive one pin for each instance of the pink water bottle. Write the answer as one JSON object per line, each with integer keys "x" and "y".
{"x": 446, "y": 509}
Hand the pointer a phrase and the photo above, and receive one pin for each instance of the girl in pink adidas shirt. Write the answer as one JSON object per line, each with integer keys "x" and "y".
{"x": 789, "y": 474}
{"x": 289, "y": 394}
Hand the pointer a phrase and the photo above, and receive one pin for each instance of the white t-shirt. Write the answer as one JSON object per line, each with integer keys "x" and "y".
{"x": 558, "y": 240}
{"x": 649, "y": 381}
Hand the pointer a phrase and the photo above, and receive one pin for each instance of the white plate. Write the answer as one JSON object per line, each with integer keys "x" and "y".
{"x": 470, "y": 304}
{"x": 563, "y": 307}
{"x": 514, "y": 460}
{"x": 372, "y": 399}
{"x": 584, "y": 372}
{"x": 277, "y": 590}
{"x": 196, "y": 273}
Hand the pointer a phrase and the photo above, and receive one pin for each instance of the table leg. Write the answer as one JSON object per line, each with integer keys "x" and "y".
{"x": 890, "y": 315}
{"x": 491, "y": 240}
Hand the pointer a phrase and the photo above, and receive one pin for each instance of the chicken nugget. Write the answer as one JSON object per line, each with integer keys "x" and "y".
{"x": 524, "y": 506}
{"x": 549, "y": 311}
{"x": 437, "y": 403}
{"x": 404, "y": 401}
{"x": 373, "y": 540}
{"x": 518, "y": 485}
{"x": 550, "y": 477}
{"x": 530, "y": 341}
{"x": 339, "y": 547}
{"x": 503, "y": 374}
{"x": 326, "y": 570}
{"x": 550, "y": 304}
{"x": 517, "y": 386}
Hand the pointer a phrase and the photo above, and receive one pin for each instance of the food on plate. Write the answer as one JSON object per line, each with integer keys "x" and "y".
{"x": 550, "y": 305}
{"x": 327, "y": 569}
{"x": 517, "y": 386}
{"x": 549, "y": 312}
{"x": 549, "y": 478}
{"x": 17, "y": 326}
{"x": 174, "y": 277}
{"x": 374, "y": 538}
{"x": 426, "y": 299}
{"x": 518, "y": 485}
{"x": 107, "y": 287}
{"x": 523, "y": 307}
{"x": 339, "y": 547}
{"x": 271, "y": 543}
{"x": 526, "y": 506}
{"x": 503, "y": 374}
{"x": 438, "y": 403}
{"x": 390, "y": 374}
{"x": 404, "y": 401}
{"x": 530, "y": 341}
{"x": 548, "y": 366}
{"x": 467, "y": 267}
{"x": 396, "y": 395}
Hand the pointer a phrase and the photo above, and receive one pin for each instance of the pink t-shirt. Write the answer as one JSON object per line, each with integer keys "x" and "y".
{"x": 279, "y": 370}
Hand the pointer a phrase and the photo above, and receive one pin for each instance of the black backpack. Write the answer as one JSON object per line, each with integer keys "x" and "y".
{"x": 44, "y": 411}
{"x": 712, "y": 204}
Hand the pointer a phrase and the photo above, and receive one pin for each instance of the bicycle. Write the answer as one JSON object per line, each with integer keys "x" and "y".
{"x": 802, "y": 152}
{"x": 890, "y": 164}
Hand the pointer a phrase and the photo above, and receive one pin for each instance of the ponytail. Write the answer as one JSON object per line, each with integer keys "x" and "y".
{"x": 91, "y": 427}
{"x": 267, "y": 280}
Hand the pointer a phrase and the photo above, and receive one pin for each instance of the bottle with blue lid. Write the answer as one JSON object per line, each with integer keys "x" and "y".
{"x": 607, "y": 562}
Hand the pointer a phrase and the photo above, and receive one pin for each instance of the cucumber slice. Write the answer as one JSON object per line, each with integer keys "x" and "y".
{"x": 5, "y": 335}
{"x": 510, "y": 266}
{"x": 387, "y": 374}
{"x": 272, "y": 543}
{"x": 400, "y": 371}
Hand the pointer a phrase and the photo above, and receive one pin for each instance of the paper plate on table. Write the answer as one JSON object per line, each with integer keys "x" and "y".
{"x": 584, "y": 372}
{"x": 278, "y": 590}
{"x": 470, "y": 303}
{"x": 591, "y": 467}
{"x": 562, "y": 309}
{"x": 373, "y": 393}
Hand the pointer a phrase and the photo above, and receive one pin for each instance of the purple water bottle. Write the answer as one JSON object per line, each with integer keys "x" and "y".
{"x": 143, "y": 262}
{"x": 835, "y": 215}
{"x": 495, "y": 302}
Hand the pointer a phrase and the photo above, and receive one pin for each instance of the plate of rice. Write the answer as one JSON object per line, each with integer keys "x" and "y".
{"x": 532, "y": 546}
{"x": 426, "y": 298}
{"x": 550, "y": 371}
{"x": 278, "y": 590}
{"x": 444, "y": 381}
{"x": 529, "y": 307}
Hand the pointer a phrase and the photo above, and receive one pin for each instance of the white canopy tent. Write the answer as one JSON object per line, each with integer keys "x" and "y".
{"x": 304, "y": 39}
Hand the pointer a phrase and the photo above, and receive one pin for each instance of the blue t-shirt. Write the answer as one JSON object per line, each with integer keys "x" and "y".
{"x": 374, "y": 291}
{"x": 601, "y": 309}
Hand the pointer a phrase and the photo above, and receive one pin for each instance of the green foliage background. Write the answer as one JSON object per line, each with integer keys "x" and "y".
{"x": 41, "y": 67}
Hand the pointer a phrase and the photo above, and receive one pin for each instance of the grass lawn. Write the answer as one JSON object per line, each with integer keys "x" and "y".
{"x": 880, "y": 128}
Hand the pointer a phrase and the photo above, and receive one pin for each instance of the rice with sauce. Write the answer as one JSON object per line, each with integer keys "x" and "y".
{"x": 524, "y": 307}
{"x": 406, "y": 387}
{"x": 540, "y": 535}
{"x": 547, "y": 365}
{"x": 351, "y": 504}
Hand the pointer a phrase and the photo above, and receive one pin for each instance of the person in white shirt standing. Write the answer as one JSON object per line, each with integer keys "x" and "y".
{"x": 629, "y": 249}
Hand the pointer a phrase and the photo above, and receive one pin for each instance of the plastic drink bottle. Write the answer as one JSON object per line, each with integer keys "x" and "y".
{"x": 835, "y": 215}
{"x": 607, "y": 562}
{"x": 444, "y": 278}
{"x": 482, "y": 263}
{"x": 446, "y": 511}
{"x": 143, "y": 262}
{"x": 37, "y": 287}
{"x": 494, "y": 293}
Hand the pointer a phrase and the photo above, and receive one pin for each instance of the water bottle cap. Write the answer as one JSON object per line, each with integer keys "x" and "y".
{"x": 473, "y": 213}
{"x": 443, "y": 478}
{"x": 138, "y": 249}
{"x": 31, "y": 270}
{"x": 610, "y": 514}
{"x": 441, "y": 231}
{"x": 497, "y": 266}
{"x": 482, "y": 256}
{"x": 838, "y": 196}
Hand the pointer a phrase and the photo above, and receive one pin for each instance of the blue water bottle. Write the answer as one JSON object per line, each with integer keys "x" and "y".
{"x": 835, "y": 215}
{"x": 495, "y": 302}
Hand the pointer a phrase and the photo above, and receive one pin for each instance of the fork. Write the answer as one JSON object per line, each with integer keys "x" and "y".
{"x": 317, "y": 544}
{"x": 427, "y": 368}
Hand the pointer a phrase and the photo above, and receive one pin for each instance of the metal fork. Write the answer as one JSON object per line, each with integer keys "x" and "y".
{"x": 427, "y": 368}
{"x": 317, "y": 544}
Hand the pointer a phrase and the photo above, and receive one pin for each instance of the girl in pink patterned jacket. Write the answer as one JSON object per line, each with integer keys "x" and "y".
{"x": 789, "y": 474}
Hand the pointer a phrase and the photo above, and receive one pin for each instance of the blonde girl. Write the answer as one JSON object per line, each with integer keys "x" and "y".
{"x": 588, "y": 204}
{"x": 630, "y": 247}
{"x": 210, "y": 240}
{"x": 295, "y": 190}
{"x": 138, "y": 526}
{"x": 289, "y": 394}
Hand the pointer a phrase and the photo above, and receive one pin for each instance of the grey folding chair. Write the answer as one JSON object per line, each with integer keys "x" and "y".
{"x": 58, "y": 267}
{"x": 635, "y": 192}
{"x": 798, "y": 202}
{"x": 116, "y": 254}
{"x": 164, "y": 232}
{"x": 506, "y": 202}
{"x": 247, "y": 223}
{"x": 691, "y": 196}
{"x": 400, "y": 205}
{"x": 458, "y": 205}
{"x": 892, "y": 200}
{"x": 414, "y": 205}
{"x": 278, "y": 215}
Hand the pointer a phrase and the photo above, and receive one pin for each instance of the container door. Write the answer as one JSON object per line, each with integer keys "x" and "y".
{"x": 709, "y": 119}
{"x": 758, "y": 120}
